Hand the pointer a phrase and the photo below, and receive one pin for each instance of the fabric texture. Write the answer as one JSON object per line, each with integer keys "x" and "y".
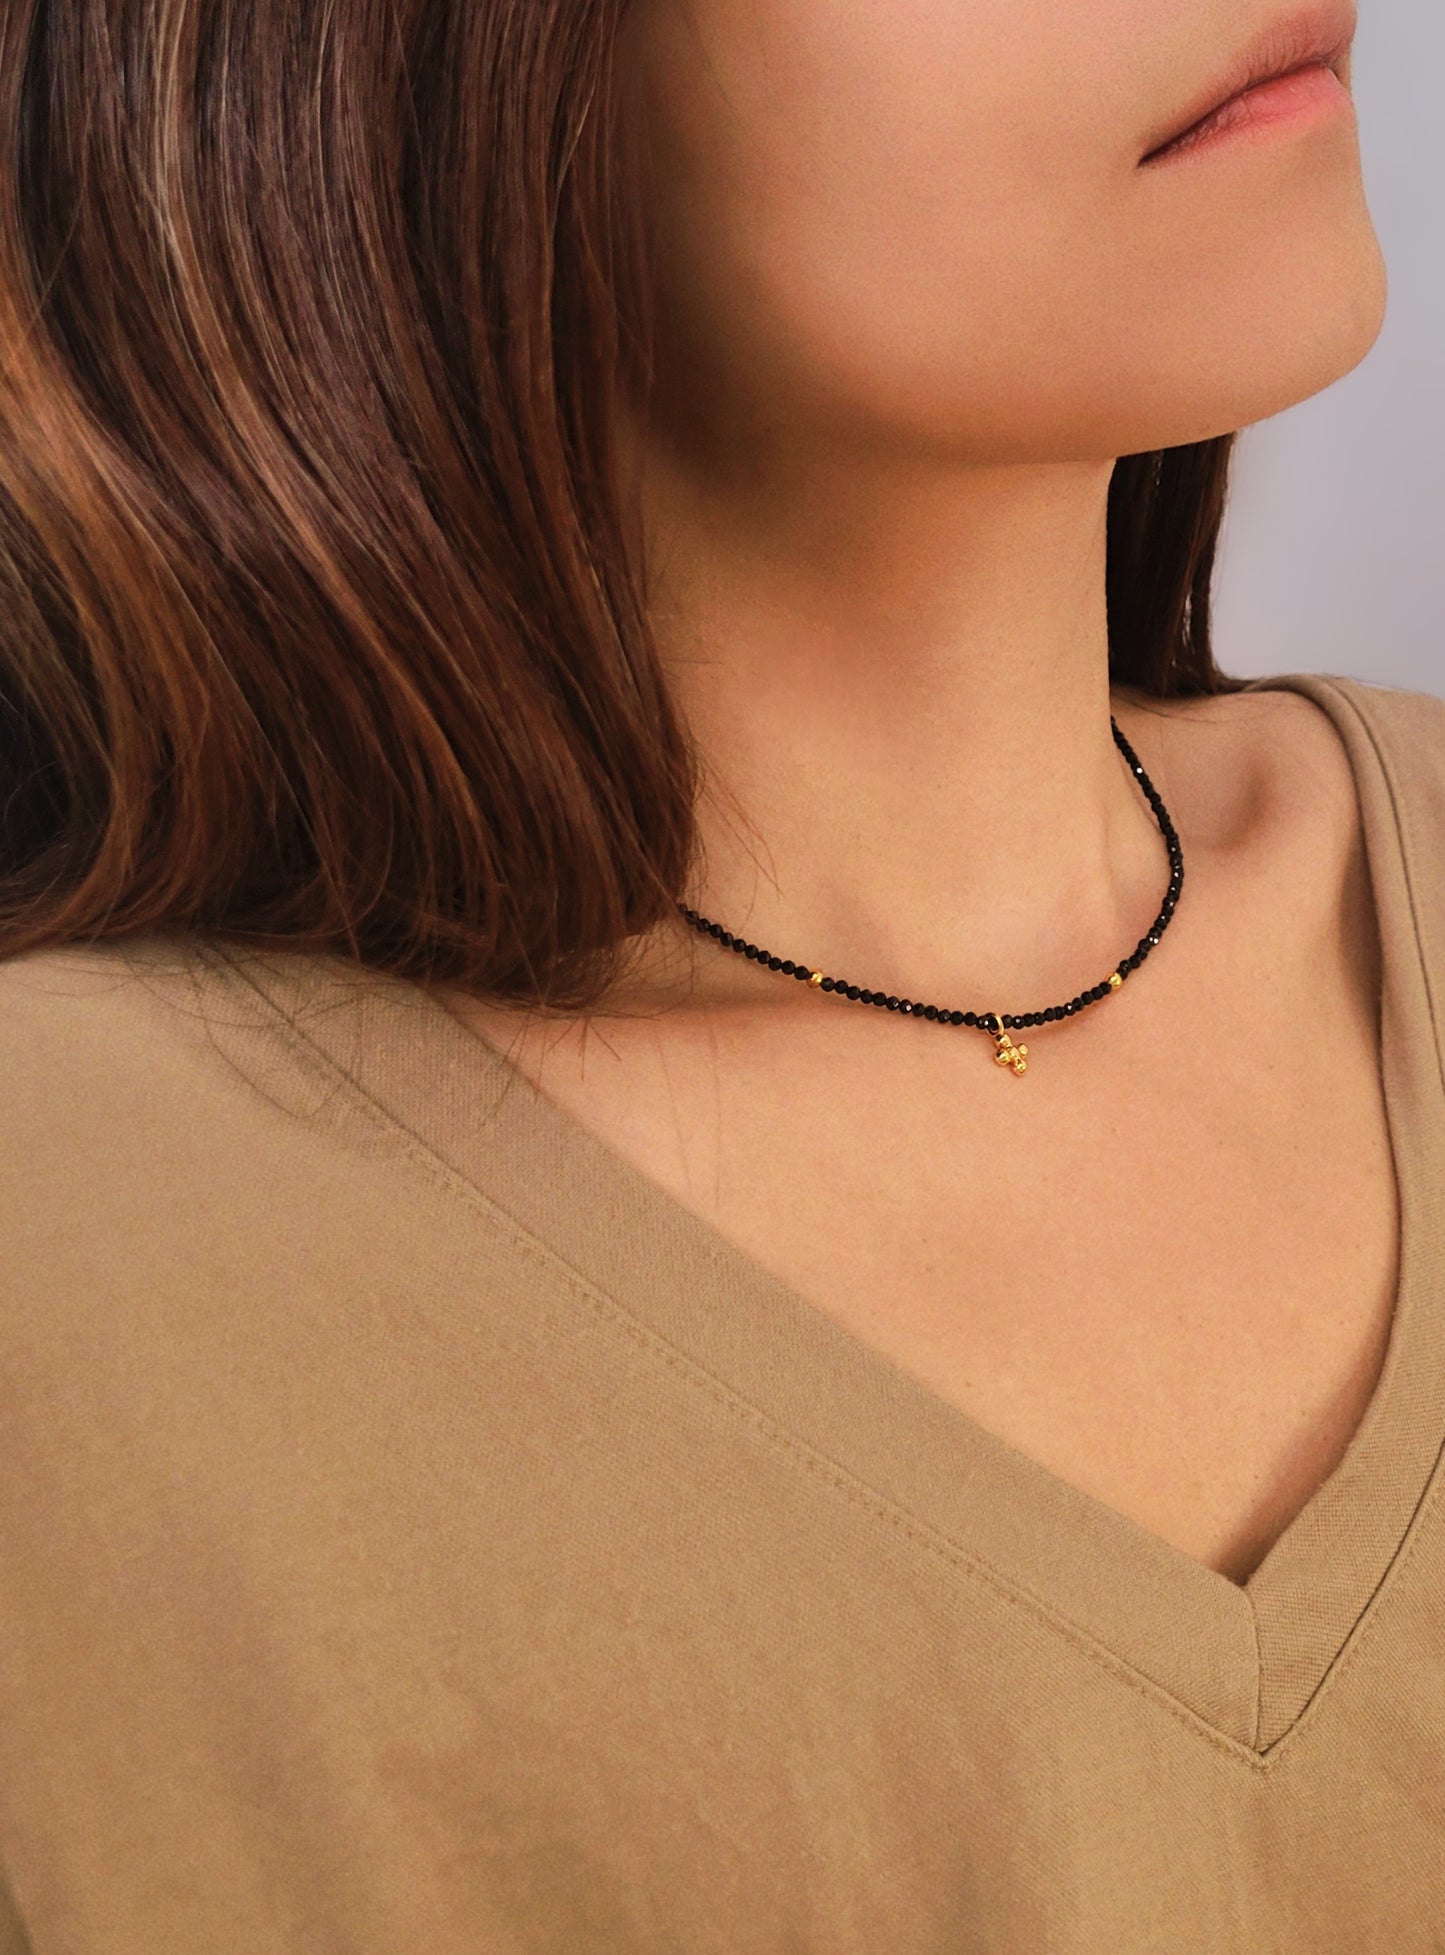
{"x": 421, "y": 1534}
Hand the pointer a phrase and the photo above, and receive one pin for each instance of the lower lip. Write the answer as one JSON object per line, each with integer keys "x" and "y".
{"x": 1288, "y": 102}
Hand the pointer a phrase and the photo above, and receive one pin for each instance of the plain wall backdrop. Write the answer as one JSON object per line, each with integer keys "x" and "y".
{"x": 1332, "y": 555}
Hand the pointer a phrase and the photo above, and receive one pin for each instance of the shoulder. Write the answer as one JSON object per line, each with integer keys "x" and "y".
{"x": 1403, "y": 725}
{"x": 1348, "y": 747}
{"x": 59, "y": 1006}
{"x": 153, "y": 1033}
{"x": 1291, "y": 758}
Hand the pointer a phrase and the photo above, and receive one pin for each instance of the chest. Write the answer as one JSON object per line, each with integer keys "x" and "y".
{"x": 1163, "y": 1269}
{"x": 1182, "y": 1312}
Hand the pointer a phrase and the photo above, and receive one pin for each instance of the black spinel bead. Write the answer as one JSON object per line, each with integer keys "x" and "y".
{"x": 775, "y": 963}
{"x": 955, "y": 1018}
{"x": 930, "y": 1011}
{"x": 866, "y": 997}
{"x": 880, "y": 1001}
{"x": 715, "y": 929}
{"x": 854, "y": 992}
{"x": 970, "y": 1018}
{"x": 788, "y": 966}
{"x": 892, "y": 1004}
{"x": 829, "y": 984}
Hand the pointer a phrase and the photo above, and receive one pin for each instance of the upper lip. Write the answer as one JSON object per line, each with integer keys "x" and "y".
{"x": 1314, "y": 36}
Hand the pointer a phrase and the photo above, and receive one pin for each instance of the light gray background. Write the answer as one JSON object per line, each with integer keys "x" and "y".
{"x": 1332, "y": 555}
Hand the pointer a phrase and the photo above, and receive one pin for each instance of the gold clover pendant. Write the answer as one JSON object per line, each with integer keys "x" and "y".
{"x": 1009, "y": 1054}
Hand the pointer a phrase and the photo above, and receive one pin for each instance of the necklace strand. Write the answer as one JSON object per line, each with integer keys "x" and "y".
{"x": 998, "y": 1025}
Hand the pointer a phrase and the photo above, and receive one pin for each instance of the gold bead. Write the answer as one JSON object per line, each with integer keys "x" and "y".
{"x": 816, "y": 978}
{"x": 1114, "y": 980}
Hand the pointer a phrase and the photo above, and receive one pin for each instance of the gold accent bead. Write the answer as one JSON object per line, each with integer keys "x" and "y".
{"x": 816, "y": 978}
{"x": 1114, "y": 980}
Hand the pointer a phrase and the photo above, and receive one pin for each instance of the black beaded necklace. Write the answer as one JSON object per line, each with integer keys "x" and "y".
{"x": 996, "y": 1024}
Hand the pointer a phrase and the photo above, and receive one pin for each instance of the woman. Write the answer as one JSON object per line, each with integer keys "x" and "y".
{"x": 722, "y": 1187}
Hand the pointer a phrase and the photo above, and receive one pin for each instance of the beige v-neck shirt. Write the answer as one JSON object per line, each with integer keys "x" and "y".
{"x": 419, "y": 1533}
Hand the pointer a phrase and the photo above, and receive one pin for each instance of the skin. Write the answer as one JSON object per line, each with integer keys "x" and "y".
{"x": 915, "y": 295}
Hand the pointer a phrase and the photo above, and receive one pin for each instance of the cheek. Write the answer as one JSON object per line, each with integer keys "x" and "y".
{"x": 1024, "y": 310}
{"x": 864, "y": 228}
{"x": 897, "y": 246}
{"x": 835, "y": 179}
{"x": 979, "y": 296}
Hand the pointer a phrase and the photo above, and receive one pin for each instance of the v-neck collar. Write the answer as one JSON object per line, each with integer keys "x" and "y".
{"x": 1239, "y": 1663}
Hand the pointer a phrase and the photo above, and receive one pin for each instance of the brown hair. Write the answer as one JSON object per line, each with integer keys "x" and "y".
{"x": 323, "y": 629}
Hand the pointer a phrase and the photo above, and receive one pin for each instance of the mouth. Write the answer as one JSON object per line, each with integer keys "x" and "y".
{"x": 1290, "y": 64}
